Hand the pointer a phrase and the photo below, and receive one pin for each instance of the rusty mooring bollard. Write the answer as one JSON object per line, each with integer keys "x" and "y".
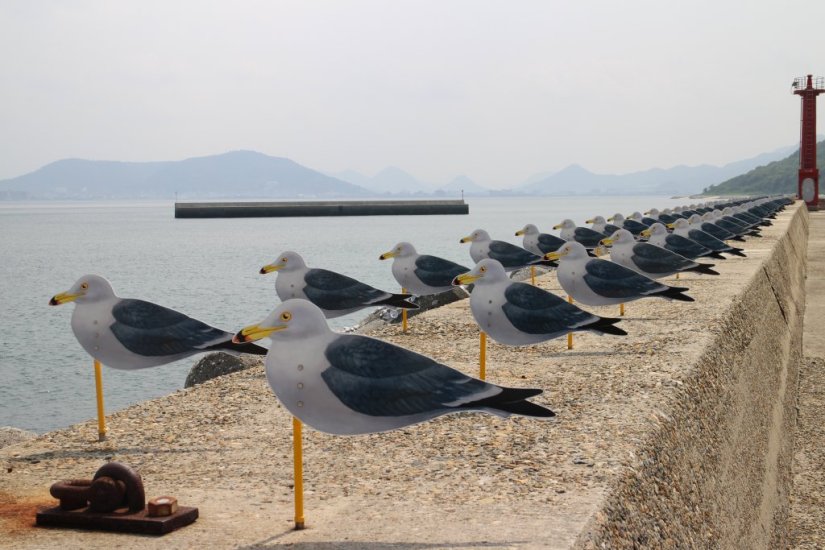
{"x": 114, "y": 500}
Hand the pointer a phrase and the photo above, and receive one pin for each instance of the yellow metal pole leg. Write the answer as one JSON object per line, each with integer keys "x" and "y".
{"x": 570, "y": 334}
{"x": 101, "y": 417}
{"x": 621, "y": 310}
{"x": 482, "y": 356}
{"x": 533, "y": 275}
{"x": 404, "y": 314}
{"x": 298, "y": 461}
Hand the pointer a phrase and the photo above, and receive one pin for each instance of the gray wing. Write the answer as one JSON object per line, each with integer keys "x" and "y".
{"x": 333, "y": 291}
{"x": 435, "y": 271}
{"x": 707, "y": 240}
{"x": 536, "y": 311}
{"x": 612, "y": 280}
{"x": 655, "y": 259}
{"x": 685, "y": 247}
{"x": 549, "y": 243}
{"x": 588, "y": 237}
{"x": 511, "y": 255}
{"x": 376, "y": 378}
{"x": 148, "y": 329}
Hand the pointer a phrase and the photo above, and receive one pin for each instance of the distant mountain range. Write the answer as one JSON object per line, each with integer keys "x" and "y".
{"x": 235, "y": 174}
{"x": 679, "y": 180}
{"x": 777, "y": 177}
{"x": 248, "y": 174}
{"x": 395, "y": 181}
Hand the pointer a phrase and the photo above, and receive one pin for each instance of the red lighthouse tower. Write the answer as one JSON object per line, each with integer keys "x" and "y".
{"x": 808, "y": 189}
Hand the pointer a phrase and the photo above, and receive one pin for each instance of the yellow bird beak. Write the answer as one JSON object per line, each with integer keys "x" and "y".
{"x": 270, "y": 268}
{"x": 557, "y": 226}
{"x": 387, "y": 255}
{"x": 255, "y": 332}
{"x": 591, "y": 220}
{"x": 647, "y": 213}
{"x": 63, "y": 298}
{"x": 467, "y": 239}
{"x": 466, "y": 279}
{"x": 611, "y": 218}
{"x": 645, "y": 233}
{"x": 553, "y": 255}
{"x": 606, "y": 242}
{"x": 671, "y": 226}
{"x": 520, "y": 232}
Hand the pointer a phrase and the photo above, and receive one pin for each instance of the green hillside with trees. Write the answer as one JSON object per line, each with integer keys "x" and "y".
{"x": 774, "y": 178}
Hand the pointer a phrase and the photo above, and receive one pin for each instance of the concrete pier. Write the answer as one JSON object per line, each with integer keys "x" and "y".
{"x": 319, "y": 208}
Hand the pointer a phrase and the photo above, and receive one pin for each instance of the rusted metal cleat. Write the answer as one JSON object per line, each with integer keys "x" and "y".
{"x": 114, "y": 501}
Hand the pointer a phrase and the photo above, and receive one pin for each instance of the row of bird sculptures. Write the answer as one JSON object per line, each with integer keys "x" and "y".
{"x": 352, "y": 384}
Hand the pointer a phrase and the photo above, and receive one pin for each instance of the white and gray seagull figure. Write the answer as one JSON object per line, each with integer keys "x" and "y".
{"x": 519, "y": 314}
{"x": 649, "y": 259}
{"x": 126, "y": 333}
{"x": 597, "y": 282}
{"x": 421, "y": 274}
{"x": 512, "y": 257}
{"x": 334, "y": 293}
{"x": 348, "y": 384}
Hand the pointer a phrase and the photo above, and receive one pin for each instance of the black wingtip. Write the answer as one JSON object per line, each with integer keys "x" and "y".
{"x": 514, "y": 401}
{"x": 606, "y": 325}
{"x": 247, "y": 347}
{"x": 715, "y": 255}
{"x": 704, "y": 269}
{"x": 736, "y": 252}
{"x": 398, "y": 300}
{"x": 676, "y": 293}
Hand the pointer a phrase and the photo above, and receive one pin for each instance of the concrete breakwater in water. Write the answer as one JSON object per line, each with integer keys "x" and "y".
{"x": 319, "y": 208}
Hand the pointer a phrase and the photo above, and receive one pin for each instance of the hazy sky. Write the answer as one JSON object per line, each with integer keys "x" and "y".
{"x": 494, "y": 90}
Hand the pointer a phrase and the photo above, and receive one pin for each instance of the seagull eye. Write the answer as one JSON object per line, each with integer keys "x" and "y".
{"x": 84, "y": 286}
{"x": 398, "y": 249}
{"x": 283, "y": 260}
{"x": 286, "y": 316}
{"x": 482, "y": 269}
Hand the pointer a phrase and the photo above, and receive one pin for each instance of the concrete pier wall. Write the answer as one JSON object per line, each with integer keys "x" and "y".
{"x": 717, "y": 472}
{"x": 318, "y": 208}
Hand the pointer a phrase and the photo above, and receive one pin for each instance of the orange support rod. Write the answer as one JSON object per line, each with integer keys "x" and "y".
{"x": 482, "y": 357}
{"x": 403, "y": 314}
{"x": 101, "y": 417}
{"x": 570, "y": 334}
{"x": 298, "y": 465}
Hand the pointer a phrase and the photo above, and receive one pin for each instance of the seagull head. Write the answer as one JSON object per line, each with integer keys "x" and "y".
{"x": 88, "y": 288}
{"x": 596, "y": 220}
{"x": 695, "y": 219}
{"x": 620, "y": 236}
{"x": 616, "y": 218}
{"x": 653, "y": 213}
{"x": 637, "y": 216}
{"x": 401, "y": 250}
{"x": 486, "y": 271}
{"x": 286, "y": 261}
{"x": 478, "y": 235}
{"x": 528, "y": 229}
{"x": 655, "y": 229}
{"x": 292, "y": 320}
{"x": 678, "y": 224}
{"x": 565, "y": 224}
{"x": 571, "y": 250}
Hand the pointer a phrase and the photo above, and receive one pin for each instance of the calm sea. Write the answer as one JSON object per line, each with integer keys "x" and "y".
{"x": 207, "y": 269}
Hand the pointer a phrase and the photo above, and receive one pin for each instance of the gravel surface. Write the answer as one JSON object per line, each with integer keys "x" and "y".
{"x": 462, "y": 481}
